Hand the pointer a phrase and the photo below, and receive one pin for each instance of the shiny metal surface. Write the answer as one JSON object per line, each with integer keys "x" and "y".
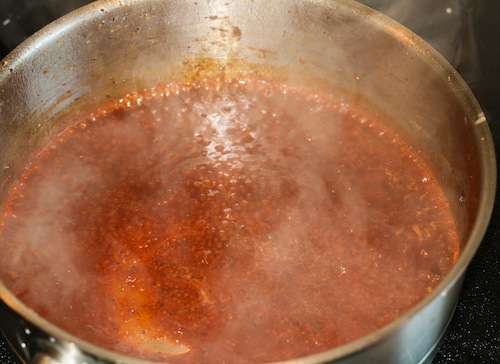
{"x": 346, "y": 50}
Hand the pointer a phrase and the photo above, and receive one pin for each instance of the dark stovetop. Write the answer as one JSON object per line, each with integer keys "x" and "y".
{"x": 465, "y": 32}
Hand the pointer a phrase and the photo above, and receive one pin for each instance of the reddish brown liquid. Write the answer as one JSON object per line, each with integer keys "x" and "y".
{"x": 247, "y": 222}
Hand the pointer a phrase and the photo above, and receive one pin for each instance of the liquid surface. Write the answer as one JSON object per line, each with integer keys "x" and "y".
{"x": 226, "y": 222}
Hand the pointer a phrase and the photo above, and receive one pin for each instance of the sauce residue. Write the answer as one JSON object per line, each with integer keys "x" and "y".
{"x": 225, "y": 222}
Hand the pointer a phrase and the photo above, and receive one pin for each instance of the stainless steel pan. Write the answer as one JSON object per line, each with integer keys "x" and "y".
{"x": 340, "y": 47}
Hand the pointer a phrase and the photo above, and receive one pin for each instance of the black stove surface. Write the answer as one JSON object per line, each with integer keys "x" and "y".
{"x": 466, "y": 33}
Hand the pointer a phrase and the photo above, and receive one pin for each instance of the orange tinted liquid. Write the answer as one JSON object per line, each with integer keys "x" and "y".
{"x": 242, "y": 222}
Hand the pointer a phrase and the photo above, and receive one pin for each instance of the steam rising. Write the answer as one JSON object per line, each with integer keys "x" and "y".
{"x": 225, "y": 217}
{"x": 447, "y": 25}
{"x": 286, "y": 197}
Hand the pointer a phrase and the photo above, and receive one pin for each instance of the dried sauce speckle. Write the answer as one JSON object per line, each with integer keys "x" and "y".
{"x": 237, "y": 33}
{"x": 206, "y": 220}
